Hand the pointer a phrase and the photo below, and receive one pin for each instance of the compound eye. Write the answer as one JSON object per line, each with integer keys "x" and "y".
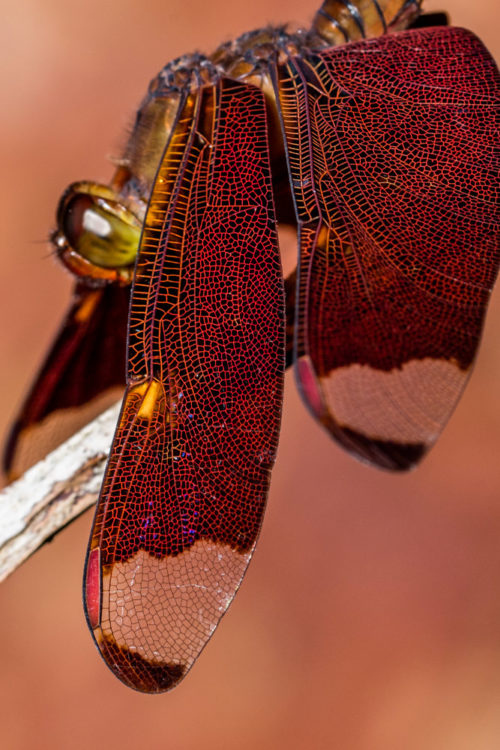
{"x": 95, "y": 231}
{"x": 100, "y": 231}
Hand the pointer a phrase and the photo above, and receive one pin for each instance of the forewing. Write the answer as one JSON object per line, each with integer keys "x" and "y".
{"x": 187, "y": 479}
{"x": 83, "y": 374}
{"x": 393, "y": 153}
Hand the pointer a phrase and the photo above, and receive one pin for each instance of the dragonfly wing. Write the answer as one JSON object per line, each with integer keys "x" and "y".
{"x": 393, "y": 153}
{"x": 186, "y": 484}
{"x": 83, "y": 374}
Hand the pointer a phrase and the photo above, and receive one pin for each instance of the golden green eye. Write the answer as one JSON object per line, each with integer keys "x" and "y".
{"x": 100, "y": 232}
{"x": 94, "y": 225}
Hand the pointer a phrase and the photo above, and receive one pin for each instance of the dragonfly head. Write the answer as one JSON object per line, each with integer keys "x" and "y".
{"x": 97, "y": 237}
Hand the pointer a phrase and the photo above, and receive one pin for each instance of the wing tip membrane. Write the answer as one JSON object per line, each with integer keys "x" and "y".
{"x": 385, "y": 454}
{"x": 137, "y": 672}
{"x": 392, "y": 455}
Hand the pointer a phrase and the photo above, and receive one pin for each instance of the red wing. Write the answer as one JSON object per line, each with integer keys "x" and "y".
{"x": 186, "y": 484}
{"x": 393, "y": 151}
{"x": 83, "y": 374}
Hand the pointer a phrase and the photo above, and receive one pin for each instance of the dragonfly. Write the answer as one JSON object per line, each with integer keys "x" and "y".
{"x": 374, "y": 134}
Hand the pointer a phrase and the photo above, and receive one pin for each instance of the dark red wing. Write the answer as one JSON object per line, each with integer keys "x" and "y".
{"x": 188, "y": 475}
{"x": 393, "y": 152}
{"x": 83, "y": 374}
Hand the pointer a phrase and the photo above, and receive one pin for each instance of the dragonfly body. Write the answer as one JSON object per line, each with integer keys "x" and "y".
{"x": 381, "y": 153}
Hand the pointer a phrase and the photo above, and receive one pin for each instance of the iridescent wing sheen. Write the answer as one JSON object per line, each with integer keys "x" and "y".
{"x": 83, "y": 374}
{"x": 393, "y": 152}
{"x": 186, "y": 484}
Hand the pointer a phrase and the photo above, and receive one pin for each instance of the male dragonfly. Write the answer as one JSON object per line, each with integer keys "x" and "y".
{"x": 375, "y": 135}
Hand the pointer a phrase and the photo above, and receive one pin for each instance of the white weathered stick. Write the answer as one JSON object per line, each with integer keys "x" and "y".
{"x": 53, "y": 492}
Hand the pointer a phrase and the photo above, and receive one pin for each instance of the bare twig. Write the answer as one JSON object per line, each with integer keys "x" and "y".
{"x": 53, "y": 492}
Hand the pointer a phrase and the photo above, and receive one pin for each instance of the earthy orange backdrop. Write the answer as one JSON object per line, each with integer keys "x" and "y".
{"x": 370, "y": 617}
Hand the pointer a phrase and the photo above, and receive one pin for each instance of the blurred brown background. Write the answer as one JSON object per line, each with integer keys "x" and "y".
{"x": 370, "y": 617}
